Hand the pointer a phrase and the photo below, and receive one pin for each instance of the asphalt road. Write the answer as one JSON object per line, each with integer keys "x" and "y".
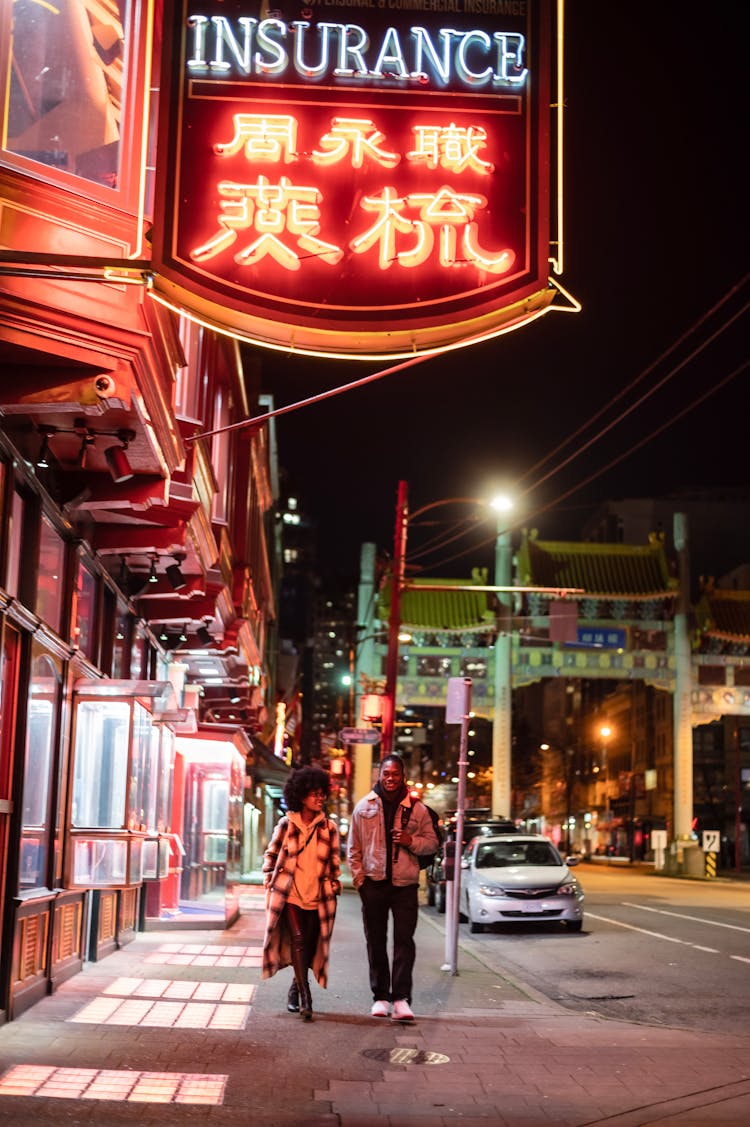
{"x": 653, "y": 949}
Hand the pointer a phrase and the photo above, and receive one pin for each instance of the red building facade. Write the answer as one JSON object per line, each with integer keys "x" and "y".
{"x": 136, "y": 560}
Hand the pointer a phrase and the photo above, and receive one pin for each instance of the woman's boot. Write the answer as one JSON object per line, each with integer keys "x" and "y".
{"x": 305, "y": 1001}
{"x": 292, "y": 998}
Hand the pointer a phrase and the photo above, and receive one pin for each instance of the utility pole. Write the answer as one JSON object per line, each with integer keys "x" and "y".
{"x": 501, "y": 717}
{"x": 394, "y": 620}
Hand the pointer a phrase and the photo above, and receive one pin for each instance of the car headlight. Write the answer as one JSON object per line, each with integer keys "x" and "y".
{"x": 567, "y": 889}
{"x": 491, "y": 890}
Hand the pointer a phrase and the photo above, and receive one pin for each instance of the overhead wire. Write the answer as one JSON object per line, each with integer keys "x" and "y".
{"x": 638, "y": 402}
{"x": 638, "y": 379}
{"x": 623, "y": 414}
{"x": 613, "y": 462}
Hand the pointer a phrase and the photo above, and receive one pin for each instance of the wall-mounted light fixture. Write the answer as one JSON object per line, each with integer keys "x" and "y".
{"x": 42, "y": 459}
{"x": 174, "y": 572}
{"x": 86, "y": 440}
{"x": 204, "y": 637}
{"x": 152, "y": 576}
{"x": 117, "y": 458}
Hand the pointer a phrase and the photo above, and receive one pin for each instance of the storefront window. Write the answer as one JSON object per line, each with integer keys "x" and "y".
{"x": 120, "y": 642}
{"x": 49, "y": 591}
{"x": 139, "y": 654}
{"x": 15, "y": 542}
{"x": 44, "y": 695}
{"x": 84, "y": 611}
{"x": 141, "y": 768}
{"x": 66, "y": 85}
{"x": 101, "y": 764}
{"x": 166, "y": 779}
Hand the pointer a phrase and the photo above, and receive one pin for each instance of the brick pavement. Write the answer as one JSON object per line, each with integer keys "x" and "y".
{"x": 177, "y": 1028}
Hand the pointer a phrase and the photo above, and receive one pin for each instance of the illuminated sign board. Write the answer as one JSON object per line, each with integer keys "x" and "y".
{"x": 358, "y": 178}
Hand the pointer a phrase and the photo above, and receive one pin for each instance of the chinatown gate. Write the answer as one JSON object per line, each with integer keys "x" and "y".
{"x": 630, "y": 626}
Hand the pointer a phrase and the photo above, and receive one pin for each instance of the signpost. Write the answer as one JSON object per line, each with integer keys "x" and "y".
{"x": 457, "y": 711}
{"x": 359, "y": 735}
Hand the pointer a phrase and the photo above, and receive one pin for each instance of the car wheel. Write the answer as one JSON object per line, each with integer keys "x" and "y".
{"x": 574, "y": 925}
{"x": 474, "y": 925}
{"x": 440, "y": 898}
{"x": 430, "y": 894}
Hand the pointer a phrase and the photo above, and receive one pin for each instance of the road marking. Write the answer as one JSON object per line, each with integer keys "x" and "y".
{"x": 684, "y": 916}
{"x": 711, "y": 950}
{"x": 740, "y": 958}
{"x": 642, "y": 930}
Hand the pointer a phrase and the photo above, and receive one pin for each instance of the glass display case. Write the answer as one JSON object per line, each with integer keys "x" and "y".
{"x": 122, "y": 760}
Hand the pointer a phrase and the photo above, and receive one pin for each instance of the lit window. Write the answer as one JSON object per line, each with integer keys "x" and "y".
{"x": 66, "y": 82}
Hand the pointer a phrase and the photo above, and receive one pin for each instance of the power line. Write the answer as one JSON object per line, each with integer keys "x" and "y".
{"x": 614, "y": 461}
{"x": 634, "y": 383}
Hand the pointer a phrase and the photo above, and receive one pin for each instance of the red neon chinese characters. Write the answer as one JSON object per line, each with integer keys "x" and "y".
{"x": 270, "y": 210}
{"x": 444, "y": 213}
{"x": 357, "y": 135}
{"x": 263, "y": 137}
{"x": 452, "y": 147}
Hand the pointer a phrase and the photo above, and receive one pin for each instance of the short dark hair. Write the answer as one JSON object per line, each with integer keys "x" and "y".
{"x": 301, "y": 782}
{"x": 393, "y": 757}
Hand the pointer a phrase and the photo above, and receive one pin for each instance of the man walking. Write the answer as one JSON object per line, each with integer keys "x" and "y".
{"x": 389, "y": 831}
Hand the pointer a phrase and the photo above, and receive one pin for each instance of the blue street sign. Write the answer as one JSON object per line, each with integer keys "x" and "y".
{"x": 600, "y": 638}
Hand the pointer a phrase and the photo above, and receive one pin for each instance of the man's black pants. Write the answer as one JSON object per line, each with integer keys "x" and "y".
{"x": 379, "y": 898}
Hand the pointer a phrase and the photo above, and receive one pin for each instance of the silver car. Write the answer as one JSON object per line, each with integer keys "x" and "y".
{"x": 518, "y": 877}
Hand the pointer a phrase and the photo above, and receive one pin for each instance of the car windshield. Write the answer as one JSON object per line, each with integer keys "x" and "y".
{"x": 496, "y": 854}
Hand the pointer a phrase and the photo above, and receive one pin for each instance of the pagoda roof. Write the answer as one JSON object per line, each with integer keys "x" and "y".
{"x": 605, "y": 571}
{"x": 724, "y": 615}
{"x": 450, "y": 611}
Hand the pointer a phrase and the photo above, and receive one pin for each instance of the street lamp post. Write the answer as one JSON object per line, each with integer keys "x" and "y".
{"x": 501, "y": 722}
{"x": 605, "y": 732}
{"x": 394, "y": 619}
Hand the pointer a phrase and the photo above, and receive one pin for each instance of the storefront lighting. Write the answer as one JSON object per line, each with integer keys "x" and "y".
{"x": 117, "y": 458}
{"x": 42, "y": 460}
{"x": 204, "y": 637}
{"x": 86, "y": 441}
{"x": 174, "y": 573}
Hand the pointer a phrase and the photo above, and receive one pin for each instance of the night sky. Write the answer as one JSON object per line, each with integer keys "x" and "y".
{"x": 656, "y": 236}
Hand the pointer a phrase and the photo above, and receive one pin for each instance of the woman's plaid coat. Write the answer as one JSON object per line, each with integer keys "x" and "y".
{"x": 279, "y": 864}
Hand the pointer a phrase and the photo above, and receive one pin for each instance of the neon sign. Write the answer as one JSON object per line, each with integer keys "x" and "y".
{"x": 342, "y": 50}
{"x": 368, "y": 188}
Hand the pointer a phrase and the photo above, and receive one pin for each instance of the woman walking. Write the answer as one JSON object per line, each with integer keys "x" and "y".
{"x": 301, "y": 872}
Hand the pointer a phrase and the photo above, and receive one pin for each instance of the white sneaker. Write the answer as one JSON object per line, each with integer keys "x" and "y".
{"x": 380, "y": 1008}
{"x": 402, "y": 1011}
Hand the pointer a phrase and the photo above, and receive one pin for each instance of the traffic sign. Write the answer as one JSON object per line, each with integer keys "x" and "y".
{"x": 711, "y": 841}
{"x": 359, "y": 735}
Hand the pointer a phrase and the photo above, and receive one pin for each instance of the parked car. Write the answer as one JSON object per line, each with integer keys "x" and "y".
{"x": 479, "y": 823}
{"x": 516, "y": 877}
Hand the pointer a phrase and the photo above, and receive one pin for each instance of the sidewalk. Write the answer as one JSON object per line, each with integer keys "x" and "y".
{"x": 178, "y": 1028}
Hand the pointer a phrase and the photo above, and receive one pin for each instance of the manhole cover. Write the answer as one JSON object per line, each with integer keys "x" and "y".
{"x": 406, "y": 1056}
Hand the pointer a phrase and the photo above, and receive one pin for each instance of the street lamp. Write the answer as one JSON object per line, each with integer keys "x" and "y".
{"x": 605, "y": 732}
{"x": 501, "y": 721}
{"x": 501, "y": 727}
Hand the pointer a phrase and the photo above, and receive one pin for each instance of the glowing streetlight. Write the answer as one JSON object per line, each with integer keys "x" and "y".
{"x": 501, "y": 718}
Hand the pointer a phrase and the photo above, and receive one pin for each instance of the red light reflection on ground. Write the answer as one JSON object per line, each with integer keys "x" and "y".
{"x": 108, "y": 1084}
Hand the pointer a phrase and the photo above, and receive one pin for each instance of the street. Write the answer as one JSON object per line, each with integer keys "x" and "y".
{"x": 178, "y": 1027}
{"x": 653, "y": 949}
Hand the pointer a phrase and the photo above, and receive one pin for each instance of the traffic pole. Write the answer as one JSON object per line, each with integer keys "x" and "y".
{"x": 453, "y": 904}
